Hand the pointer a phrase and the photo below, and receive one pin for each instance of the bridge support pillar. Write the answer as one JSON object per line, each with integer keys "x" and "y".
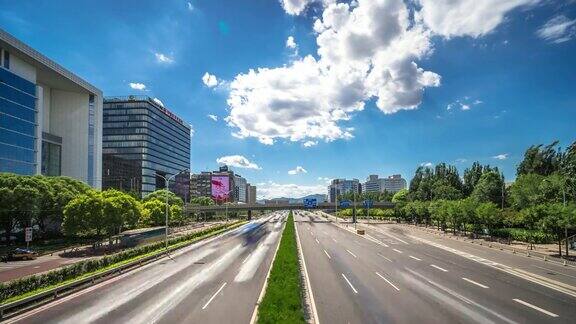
{"x": 249, "y": 214}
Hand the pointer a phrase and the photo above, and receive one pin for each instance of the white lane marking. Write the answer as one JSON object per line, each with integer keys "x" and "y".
{"x": 388, "y": 281}
{"x": 377, "y": 240}
{"x": 307, "y": 277}
{"x": 537, "y": 279}
{"x": 328, "y": 255}
{"x": 350, "y": 284}
{"x": 256, "y": 258}
{"x": 354, "y": 255}
{"x": 555, "y": 272}
{"x": 396, "y": 250}
{"x": 333, "y": 239}
{"x": 317, "y": 242}
{"x": 415, "y": 258}
{"x": 535, "y": 307}
{"x": 437, "y": 267}
{"x": 385, "y": 258}
{"x": 476, "y": 283}
{"x": 214, "y": 296}
{"x": 325, "y": 232}
{"x": 387, "y": 234}
{"x": 246, "y": 258}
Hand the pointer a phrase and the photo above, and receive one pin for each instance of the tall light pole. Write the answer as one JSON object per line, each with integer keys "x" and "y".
{"x": 167, "y": 182}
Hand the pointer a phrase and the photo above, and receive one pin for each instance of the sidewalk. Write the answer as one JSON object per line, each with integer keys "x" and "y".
{"x": 17, "y": 269}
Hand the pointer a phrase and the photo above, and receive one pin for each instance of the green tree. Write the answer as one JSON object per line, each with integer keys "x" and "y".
{"x": 161, "y": 195}
{"x": 542, "y": 160}
{"x": 444, "y": 190}
{"x": 489, "y": 215}
{"x": 120, "y": 211}
{"x": 177, "y": 216}
{"x": 84, "y": 216}
{"x": 438, "y": 210}
{"x": 489, "y": 188}
{"x": 525, "y": 191}
{"x": 400, "y": 196}
{"x": 554, "y": 221}
{"x": 155, "y": 212}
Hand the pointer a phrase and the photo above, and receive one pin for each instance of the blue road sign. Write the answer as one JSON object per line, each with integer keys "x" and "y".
{"x": 310, "y": 203}
{"x": 345, "y": 204}
{"x": 368, "y": 203}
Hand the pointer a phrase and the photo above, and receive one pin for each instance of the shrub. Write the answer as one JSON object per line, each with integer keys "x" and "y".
{"x": 524, "y": 235}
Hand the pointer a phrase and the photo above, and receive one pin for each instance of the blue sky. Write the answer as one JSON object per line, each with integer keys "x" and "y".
{"x": 368, "y": 87}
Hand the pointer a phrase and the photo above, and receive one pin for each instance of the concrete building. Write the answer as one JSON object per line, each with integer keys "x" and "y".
{"x": 394, "y": 183}
{"x": 144, "y": 143}
{"x": 373, "y": 184}
{"x": 251, "y": 194}
{"x": 50, "y": 119}
{"x": 340, "y": 187}
{"x": 200, "y": 184}
{"x": 240, "y": 188}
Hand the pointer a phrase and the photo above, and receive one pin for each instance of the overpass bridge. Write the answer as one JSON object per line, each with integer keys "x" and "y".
{"x": 281, "y": 206}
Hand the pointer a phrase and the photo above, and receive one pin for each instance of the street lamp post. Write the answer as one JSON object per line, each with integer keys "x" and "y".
{"x": 167, "y": 182}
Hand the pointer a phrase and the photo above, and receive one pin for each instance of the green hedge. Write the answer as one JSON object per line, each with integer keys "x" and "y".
{"x": 29, "y": 284}
{"x": 282, "y": 302}
{"x": 524, "y": 235}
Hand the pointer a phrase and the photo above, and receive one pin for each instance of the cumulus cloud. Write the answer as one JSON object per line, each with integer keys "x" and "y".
{"x": 238, "y": 161}
{"x": 297, "y": 170}
{"x": 364, "y": 52}
{"x": 464, "y": 107}
{"x": 270, "y": 189}
{"x": 156, "y": 100}
{"x": 450, "y": 18}
{"x": 213, "y": 117}
{"x": 163, "y": 58}
{"x": 295, "y": 7}
{"x": 290, "y": 43}
{"x": 426, "y": 164}
{"x": 501, "y": 156}
{"x": 209, "y": 80}
{"x": 461, "y": 160}
{"x": 137, "y": 86}
{"x": 190, "y": 6}
{"x": 464, "y": 104}
{"x": 310, "y": 143}
{"x": 558, "y": 29}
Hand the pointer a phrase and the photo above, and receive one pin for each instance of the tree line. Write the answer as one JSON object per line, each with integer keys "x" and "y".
{"x": 56, "y": 206}
{"x": 538, "y": 207}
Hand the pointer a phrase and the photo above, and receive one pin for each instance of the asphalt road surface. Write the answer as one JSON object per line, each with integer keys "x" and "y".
{"x": 215, "y": 281}
{"x": 392, "y": 276}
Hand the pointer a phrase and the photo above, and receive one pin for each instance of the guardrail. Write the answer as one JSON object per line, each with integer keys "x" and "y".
{"x": 21, "y": 305}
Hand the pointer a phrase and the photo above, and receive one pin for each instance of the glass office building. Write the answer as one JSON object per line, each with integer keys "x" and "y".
{"x": 144, "y": 144}
{"x": 50, "y": 119}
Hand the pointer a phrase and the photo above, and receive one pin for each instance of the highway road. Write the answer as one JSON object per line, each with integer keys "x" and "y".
{"x": 390, "y": 276}
{"x": 218, "y": 280}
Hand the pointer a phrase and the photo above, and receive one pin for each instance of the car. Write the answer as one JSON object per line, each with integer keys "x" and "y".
{"x": 21, "y": 254}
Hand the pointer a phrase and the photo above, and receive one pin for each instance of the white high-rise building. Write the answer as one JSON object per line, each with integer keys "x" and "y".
{"x": 50, "y": 119}
{"x": 393, "y": 183}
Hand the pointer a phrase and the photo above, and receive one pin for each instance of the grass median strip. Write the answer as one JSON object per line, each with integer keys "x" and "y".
{"x": 36, "y": 284}
{"x": 283, "y": 300}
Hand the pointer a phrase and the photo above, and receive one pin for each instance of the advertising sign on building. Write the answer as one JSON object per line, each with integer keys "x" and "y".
{"x": 345, "y": 204}
{"x": 220, "y": 186}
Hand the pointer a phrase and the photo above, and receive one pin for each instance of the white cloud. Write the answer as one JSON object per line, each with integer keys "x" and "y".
{"x": 473, "y": 18}
{"x": 464, "y": 107}
{"x": 137, "y": 86}
{"x": 238, "y": 161}
{"x": 268, "y": 190}
{"x": 501, "y": 156}
{"x": 558, "y": 29}
{"x": 290, "y": 43}
{"x": 213, "y": 117}
{"x": 310, "y": 143}
{"x": 477, "y": 102}
{"x": 426, "y": 164}
{"x": 192, "y": 131}
{"x": 297, "y": 170}
{"x": 367, "y": 52}
{"x": 190, "y": 6}
{"x": 156, "y": 100}
{"x": 295, "y": 7}
{"x": 461, "y": 160}
{"x": 163, "y": 58}
{"x": 209, "y": 80}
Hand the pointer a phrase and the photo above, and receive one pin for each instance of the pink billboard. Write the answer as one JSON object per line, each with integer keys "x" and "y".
{"x": 220, "y": 188}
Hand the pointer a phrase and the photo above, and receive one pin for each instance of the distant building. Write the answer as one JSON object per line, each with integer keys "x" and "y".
{"x": 340, "y": 187}
{"x": 143, "y": 143}
{"x": 50, "y": 119}
{"x": 374, "y": 184}
{"x": 394, "y": 183}
{"x": 251, "y": 194}
{"x": 277, "y": 201}
{"x": 240, "y": 188}
{"x": 200, "y": 184}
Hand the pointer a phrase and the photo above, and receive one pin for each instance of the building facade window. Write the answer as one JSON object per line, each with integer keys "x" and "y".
{"x": 17, "y": 122}
{"x": 6, "y": 61}
{"x": 51, "y": 159}
{"x": 91, "y": 121}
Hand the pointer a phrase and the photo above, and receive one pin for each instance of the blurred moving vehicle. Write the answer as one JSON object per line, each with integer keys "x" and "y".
{"x": 20, "y": 254}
